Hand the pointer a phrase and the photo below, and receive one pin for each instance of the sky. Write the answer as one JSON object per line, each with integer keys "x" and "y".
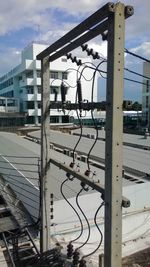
{"x": 22, "y": 22}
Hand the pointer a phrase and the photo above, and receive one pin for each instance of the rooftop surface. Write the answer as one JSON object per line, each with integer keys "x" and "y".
{"x": 137, "y": 159}
{"x": 19, "y": 161}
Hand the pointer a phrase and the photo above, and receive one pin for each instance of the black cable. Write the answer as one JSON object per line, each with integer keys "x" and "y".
{"x": 78, "y": 72}
{"x": 61, "y": 190}
{"x": 127, "y": 51}
{"x": 89, "y": 232}
{"x": 101, "y": 234}
{"x": 95, "y": 124}
{"x": 64, "y": 82}
{"x": 81, "y": 131}
{"x": 86, "y": 66}
{"x": 127, "y": 79}
{"x": 136, "y": 55}
{"x": 131, "y": 80}
{"x": 136, "y": 73}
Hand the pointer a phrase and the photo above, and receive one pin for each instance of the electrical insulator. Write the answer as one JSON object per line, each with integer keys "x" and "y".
{"x": 84, "y": 47}
{"x": 79, "y": 93}
{"x": 96, "y": 56}
{"x": 63, "y": 93}
{"x": 68, "y": 175}
{"x": 84, "y": 186}
{"x": 51, "y": 206}
{"x": 87, "y": 173}
{"x": 79, "y": 62}
{"x": 104, "y": 36}
{"x": 68, "y": 56}
{"x": 90, "y": 52}
{"x": 72, "y": 164}
{"x": 76, "y": 256}
{"x": 69, "y": 251}
{"x": 82, "y": 263}
{"x": 74, "y": 59}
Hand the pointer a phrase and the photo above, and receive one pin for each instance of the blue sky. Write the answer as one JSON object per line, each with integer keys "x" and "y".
{"x": 22, "y": 22}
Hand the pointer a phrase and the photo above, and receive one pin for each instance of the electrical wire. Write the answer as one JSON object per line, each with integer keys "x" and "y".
{"x": 131, "y": 80}
{"x": 81, "y": 224}
{"x": 81, "y": 131}
{"x": 88, "y": 225}
{"x": 131, "y": 71}
{"x": 136, "y": 55}
{"x": 86, "y": 66}
{"x": 78, "y": 72}
{"x": 64, "y": 82}
{"x": 136, "y": 73}
{"x": 95, "y": 124}
{"x": 101, "y": 234}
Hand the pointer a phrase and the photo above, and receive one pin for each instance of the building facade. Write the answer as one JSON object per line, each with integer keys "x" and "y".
{"x": 24, "y": 83}
{"x": 146, "y": 95}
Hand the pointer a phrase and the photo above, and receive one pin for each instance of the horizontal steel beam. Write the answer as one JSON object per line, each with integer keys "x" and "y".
{"x": 83, "y": 178}
{"x": 88, "y": 23}
{"x": 100, "y": 29}
{"x": 75, "y": 106}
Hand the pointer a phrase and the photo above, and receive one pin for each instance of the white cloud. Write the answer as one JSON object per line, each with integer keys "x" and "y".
{"x": 17, "y": 14}
{"x": 9, "y": 59}
{"x": 143, "y": 49}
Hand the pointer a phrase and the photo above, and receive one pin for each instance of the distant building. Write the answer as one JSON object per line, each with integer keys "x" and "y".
{"x": 146, "y": 94}
{"x": 24, "y": 82}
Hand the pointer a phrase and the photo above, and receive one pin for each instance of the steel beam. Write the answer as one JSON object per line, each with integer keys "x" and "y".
{"x": 100, "y": 29}
{"x": 114, "y": 136}
{"x": 75, "y": 106}
{"x": 44, "y": 181}
{"x": 88, "y": 181}
{"x": 88, "y": 23}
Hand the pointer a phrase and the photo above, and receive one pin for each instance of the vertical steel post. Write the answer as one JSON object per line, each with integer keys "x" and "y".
{"x": 45, "y": 184}
{"x": 114, "y": 128}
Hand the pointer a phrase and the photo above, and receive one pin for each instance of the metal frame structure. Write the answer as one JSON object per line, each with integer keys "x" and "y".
{"x": 111, "y": 19}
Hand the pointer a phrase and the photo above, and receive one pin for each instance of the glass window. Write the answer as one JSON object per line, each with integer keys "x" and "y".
{"x": 38, "y": 72}
{"x": 64, "y": 59}
{"x": 54, "y": 74}
{"x": 30, "y": 89}
{"x": 39, "y": 104}
{"x": 64, "y": 75}
{"x": 39, "y": 89}
{"x": 146, "y": 101}
{"x": 30, "y": 105}
{"x": 29, "y": 74}
{"x": 11, "y": 103}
